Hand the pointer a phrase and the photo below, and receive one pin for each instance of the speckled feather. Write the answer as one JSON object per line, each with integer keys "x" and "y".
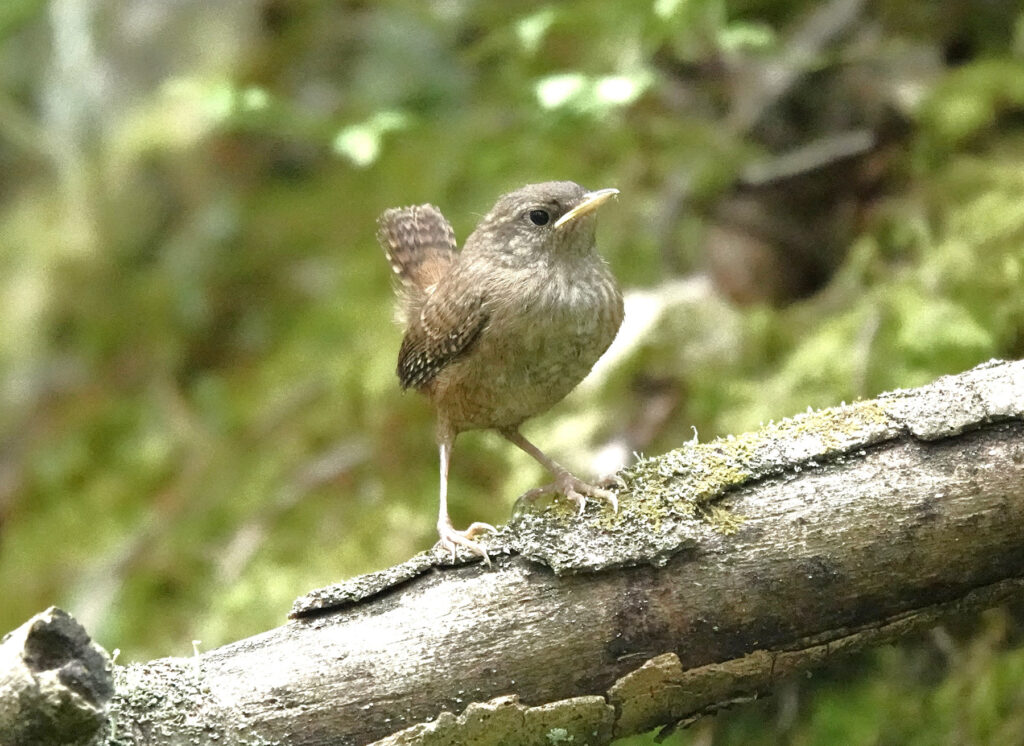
{"x": 419, "y": 243}
{"x": 447, "y": 327}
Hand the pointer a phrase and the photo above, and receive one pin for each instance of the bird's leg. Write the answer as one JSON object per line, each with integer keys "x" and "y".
{"x": 450, "y": 537}
{"x": 565, "y": 483}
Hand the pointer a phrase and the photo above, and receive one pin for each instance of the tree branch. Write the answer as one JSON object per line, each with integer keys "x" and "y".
{"x": 731, "y": 564}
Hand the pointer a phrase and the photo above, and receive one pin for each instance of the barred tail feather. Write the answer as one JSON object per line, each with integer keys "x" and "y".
{"x": 419, "y": 243}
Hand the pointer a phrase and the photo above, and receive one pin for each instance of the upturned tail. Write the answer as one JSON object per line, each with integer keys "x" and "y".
{"x": 419, "y": 243}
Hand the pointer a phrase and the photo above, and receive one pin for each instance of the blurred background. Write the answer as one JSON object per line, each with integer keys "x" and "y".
{"x": 199, "y": 417}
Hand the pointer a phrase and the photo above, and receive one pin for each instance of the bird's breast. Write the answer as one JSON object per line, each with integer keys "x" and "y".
{"x": 546, "y": 331}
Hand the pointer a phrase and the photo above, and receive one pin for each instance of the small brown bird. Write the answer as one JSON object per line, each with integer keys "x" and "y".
{"x": 504, "y": 329}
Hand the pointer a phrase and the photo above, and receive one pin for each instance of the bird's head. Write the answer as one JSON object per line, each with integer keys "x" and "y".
{"x": 553, "y": 218}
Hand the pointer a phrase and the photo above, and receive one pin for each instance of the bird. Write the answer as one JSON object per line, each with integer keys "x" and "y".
{"x": 502, "y": 330}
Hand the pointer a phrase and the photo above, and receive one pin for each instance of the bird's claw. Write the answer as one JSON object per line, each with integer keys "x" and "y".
{"x": 613, "y": 481}
{"x": 452, "y": 538}
{"x": 576, "y": 490}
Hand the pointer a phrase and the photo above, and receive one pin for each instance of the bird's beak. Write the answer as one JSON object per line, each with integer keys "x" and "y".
{"x": 591, "y": 201}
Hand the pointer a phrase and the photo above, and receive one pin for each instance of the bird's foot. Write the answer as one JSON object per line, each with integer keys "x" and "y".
{"x": 576, "y": 490}
{"x": 452, "y": 538}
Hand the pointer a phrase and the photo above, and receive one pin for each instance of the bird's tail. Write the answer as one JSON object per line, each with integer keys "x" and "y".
{"x": 419, "y": 243}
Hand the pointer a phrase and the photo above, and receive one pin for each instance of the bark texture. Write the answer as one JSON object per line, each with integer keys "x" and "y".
{"x": 731, "y": 564}
{"x": 55, "y": 683}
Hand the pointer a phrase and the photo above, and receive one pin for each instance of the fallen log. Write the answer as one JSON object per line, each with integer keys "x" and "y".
{"x": 729, "y": 566}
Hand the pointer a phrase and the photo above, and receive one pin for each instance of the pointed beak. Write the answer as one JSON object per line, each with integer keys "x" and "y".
{"x": 591, "y": 201}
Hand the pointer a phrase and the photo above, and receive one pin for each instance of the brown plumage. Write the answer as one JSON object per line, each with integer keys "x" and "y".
{"x": 506, "y": 328}
{"x": 419, "y": 243}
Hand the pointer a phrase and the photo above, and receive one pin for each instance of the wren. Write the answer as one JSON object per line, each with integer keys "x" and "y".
{"x": 504, "y": 329}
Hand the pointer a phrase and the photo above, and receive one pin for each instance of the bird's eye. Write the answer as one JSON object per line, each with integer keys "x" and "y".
{"x": 539, "y": 217}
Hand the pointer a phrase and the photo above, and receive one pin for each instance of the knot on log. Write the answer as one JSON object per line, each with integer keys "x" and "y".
{"x": 55, "y": 682}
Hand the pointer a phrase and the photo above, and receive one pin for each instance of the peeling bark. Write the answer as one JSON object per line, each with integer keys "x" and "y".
{"x": 730, "y": 565}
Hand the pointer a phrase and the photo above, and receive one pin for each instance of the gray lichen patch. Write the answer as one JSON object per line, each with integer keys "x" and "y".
{"x": 990, "y": 392}
{"x": 504, "y": 721}
{"x": 147, "y": 692}
{"x": 361, "y": 587}
{"x": 670, "y": 501}
{"x": 372, "y": 584}
{"x": 168, "y": 701}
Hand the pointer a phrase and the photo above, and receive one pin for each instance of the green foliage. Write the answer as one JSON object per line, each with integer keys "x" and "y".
{"x": 14, "y": 14}
{"x": 199, "y": 414}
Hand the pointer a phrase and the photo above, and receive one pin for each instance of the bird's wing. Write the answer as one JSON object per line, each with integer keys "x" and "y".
{"x": 419, "y": 243}
{"x": 449, "y": 323}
